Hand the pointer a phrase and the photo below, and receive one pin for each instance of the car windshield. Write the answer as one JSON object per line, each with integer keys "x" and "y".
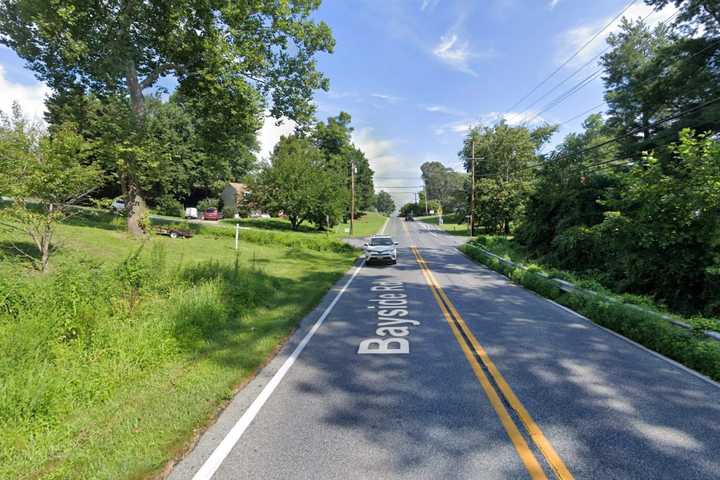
{"x": 381, "y": 241}
{"x": 210, "y": 210}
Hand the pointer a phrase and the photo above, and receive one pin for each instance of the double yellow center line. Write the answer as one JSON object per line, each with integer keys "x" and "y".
{"x": 475, "y": 354}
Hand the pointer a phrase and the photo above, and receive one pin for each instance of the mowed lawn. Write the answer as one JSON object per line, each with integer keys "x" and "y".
{"x": 114, "y": 360}
{"x": 452, "y": 224}
{"x": 364, "y": 226}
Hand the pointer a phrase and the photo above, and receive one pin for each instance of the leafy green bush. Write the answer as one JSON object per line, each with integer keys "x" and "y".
{"x": 229, "y": 211}
{"x": 578, "y": 248}
{"x": 170, "y": 206}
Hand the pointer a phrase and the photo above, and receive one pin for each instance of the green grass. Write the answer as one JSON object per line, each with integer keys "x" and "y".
{"x": 452, "y": 224}
{"x": 113, "y": 360}
{"x": 505, "y": 247}
{"x": 365, "y": 225}
{"x": 618, "y": 313}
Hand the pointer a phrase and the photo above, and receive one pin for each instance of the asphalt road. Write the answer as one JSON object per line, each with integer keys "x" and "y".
{"x": 480, "y": 379}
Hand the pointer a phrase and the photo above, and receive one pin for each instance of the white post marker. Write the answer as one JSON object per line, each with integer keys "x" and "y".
{"x": 237, "y": 235}
{"x": 218, "y": 455}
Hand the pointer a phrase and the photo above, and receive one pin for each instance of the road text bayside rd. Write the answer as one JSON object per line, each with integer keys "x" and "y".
{"x": 393, "y": 328}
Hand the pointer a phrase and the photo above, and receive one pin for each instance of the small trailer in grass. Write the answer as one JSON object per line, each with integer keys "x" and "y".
{"x": 174, "y": 232}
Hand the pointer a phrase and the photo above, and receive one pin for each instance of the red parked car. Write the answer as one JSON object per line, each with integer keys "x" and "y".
{"x": 211, "y": 214}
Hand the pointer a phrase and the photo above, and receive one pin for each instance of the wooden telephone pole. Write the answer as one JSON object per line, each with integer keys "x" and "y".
{"x": 352, "y": 190}
{"x": 472, "y": 191}
{"x": 427, "y": 212}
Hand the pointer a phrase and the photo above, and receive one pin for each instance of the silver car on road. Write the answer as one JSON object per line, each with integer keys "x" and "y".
{"x": 381, "y": 248}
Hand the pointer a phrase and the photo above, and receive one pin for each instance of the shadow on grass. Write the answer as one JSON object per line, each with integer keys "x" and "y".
{"x": 237, "y": 314}
{"x": 20, "y": 252}
{"x": 97, "y": 219}
{"x": 272, "y": 224}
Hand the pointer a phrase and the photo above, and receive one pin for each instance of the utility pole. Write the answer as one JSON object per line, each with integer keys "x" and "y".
{"x": 472, "y": 191}
{"x": 352, "y": 190}
{"x": 427, "y": 212}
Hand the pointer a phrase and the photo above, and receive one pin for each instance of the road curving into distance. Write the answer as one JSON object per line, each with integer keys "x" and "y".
{"x": 439, "y": 368}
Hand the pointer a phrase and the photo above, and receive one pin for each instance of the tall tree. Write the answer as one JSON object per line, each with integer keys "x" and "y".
{"x": 505, "y": 157}
{"x": 694, "y": 14}
{"x": 654, "y": 74}
{"x": 443, "y": 184}
{"x": 384, "y": 203}
{"x": 217, "y": 48}
{"x": 334, "y": 138}
{"x": 297, "y": 183}
{"x": 569, "y": 194}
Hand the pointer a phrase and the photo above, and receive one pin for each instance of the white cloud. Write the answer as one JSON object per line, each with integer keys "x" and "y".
{"x": 457, "y": 53}
{"x": 553, "y": 3}
{"x": 529, "y": 117}
{"x": 460, "y": 127}
{"x": 511, "y": 118}
{"x": 270, "y": 134}
{"x": 379, "y": 152}
{"x": 444, "y": 110}
{"x": 386, "y": 97}
{"x": 391, "y": 170}
{"x": 30, "y": 97}
{"x": 428, "y": 4}
{"x": 573, "y": 39}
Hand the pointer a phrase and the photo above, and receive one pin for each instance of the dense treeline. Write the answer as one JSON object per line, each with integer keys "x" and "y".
{"x": 633, "y": 200}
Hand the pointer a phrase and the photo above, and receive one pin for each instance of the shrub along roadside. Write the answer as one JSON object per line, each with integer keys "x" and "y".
{"x": 689, "y": 347}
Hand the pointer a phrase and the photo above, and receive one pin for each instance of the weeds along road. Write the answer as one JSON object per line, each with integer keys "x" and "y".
{"x": 438, "y": 368}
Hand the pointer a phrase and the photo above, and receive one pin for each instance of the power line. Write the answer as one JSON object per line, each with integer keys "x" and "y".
{"x": 583, "y": 83}
{"x": 581, "y": 114}
{"x": 577, "y": 52}
{"x": 595, "y": 58}
{"x": 564, "y": 96}
{"x": 578, "y": 70}
{"x": 631, "y": 132}
{"x": 612, "y": 140}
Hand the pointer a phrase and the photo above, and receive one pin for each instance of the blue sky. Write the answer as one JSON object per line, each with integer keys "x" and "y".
{"x": 415, "y": 74}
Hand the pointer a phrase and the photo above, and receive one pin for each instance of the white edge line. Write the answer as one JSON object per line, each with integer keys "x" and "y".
{"x": 382, "y": 230}
{"x": 632, "y": 342}
{"x": 208, "y": 469}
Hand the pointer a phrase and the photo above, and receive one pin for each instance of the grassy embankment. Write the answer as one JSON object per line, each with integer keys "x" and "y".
{"x": 364, "y": 226}
{"x": 633, "y": 316}
{"x": 113, "y": 360}
{"x": 453, "y": 224}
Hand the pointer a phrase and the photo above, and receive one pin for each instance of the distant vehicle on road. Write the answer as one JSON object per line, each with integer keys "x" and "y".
{"x": 211, "y": 214}
{"x": 409, "y": 218}
{"x": 381, "y": 248}
{"x": 191, "y": 212}
{"x": 118, "y": 205}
